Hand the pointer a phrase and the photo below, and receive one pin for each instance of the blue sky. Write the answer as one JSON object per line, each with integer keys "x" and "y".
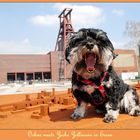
{"x": 32, "y": 28}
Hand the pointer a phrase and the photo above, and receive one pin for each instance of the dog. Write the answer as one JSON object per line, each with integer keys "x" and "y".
{"x": 94, "y": 79}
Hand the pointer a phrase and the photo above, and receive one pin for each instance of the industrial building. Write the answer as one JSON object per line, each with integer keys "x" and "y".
{"x": 46, "y": 67}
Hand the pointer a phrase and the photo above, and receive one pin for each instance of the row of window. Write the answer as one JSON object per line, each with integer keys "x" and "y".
{"x": 28, "y": 76}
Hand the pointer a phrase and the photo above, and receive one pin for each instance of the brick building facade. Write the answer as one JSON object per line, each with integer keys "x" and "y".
{"x": 47, "y": 66}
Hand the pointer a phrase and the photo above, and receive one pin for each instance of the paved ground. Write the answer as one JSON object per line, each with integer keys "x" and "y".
{"x": 14, "y": 88}
{"x": 60, "y": 119}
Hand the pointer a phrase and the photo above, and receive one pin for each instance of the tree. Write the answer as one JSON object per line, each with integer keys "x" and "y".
{"x": 132, "y": 30}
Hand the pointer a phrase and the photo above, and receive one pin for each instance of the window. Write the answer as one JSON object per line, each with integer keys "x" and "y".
{"x": 20, "y": 76}
{"x": 47, "y": 75}
{"x": 38, "y": 76}
{"x": 29, "y": 76}
{"x": 10, "y": 76}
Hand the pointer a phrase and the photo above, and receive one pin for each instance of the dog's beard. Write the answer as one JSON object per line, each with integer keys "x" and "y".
{"x": 90, "y": 62}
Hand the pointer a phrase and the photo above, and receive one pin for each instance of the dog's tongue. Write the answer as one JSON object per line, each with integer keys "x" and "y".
{"x": 90, "y": 61}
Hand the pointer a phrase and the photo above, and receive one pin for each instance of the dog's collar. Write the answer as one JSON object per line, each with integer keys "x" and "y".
{"x": 91, "y": 83}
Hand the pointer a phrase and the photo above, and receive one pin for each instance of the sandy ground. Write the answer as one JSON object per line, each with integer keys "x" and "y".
{"x": 61, "y": 120}
{"x": 57, "y": 118}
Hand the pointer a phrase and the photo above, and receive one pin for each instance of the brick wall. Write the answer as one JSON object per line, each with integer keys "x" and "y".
{"x": 54, "y": 59}
{"x": 126, "y": 61}
{"x": 23, "y": 63}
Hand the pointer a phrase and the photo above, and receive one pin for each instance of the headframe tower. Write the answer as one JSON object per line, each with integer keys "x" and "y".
{"x": 65, "y": 30}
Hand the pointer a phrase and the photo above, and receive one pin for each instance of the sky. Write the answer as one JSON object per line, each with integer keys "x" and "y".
{"x": 32, "y": 28}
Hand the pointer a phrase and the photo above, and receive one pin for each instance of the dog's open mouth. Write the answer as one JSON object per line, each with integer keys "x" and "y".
{"x": 90, "y": 60}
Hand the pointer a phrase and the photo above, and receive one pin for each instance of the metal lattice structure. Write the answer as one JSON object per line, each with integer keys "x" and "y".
{"x": 65, "y": 30}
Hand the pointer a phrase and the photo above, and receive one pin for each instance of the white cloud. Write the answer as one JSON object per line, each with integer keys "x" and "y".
{"x": 82, "y": 16}
{"x": 18, "y": 47}
{"x": 119, "y": 12}
{"x": 44, "y": 20}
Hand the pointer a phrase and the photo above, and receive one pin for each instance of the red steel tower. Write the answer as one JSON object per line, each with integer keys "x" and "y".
{"x": 65, "y": 30}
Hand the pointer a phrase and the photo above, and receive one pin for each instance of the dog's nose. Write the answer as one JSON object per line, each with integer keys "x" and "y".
{"x": 90, "y": 46}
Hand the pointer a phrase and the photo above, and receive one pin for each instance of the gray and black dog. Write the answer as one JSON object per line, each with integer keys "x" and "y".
{"x": 94, "y": 80}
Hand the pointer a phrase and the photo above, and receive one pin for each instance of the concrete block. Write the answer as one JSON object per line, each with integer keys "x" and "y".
{"x": 27, "y": 97}
{"x": 36, "y": 116}
{"x": 44, "y": 110}
{"x": 47, "y": 99}
{"x": 60, "y": 100}
{"x": 19, "y": 106}
{"x": 33, "y": 102}
{"x": 56, "y": 100}
{"x": 39, "y": 95}
{"x": 68, "y": 101}
{"x": 6, "y": 108}
{"x": 18, "y": 111}
{"x": 41, "y": 101}
{"x": 48, "y": 94}
{"x": 69, "y": 90}
{"x": 50, "y": 103}
{"x": 35, "y": 112}
{"x": 3, "y": 115}
{"x": 31, "y": 108}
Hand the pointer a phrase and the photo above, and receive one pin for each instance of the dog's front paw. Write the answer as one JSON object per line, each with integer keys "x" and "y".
{"x": 109, "y": 119}
{"x": 135, "y": 111}
{"x": 78, "y": 114}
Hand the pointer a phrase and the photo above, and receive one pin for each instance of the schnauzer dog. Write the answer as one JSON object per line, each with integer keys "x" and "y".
{"x": 94, "y": 80}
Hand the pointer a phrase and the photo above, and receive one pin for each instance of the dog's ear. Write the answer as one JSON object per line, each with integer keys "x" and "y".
{"x": 75, "y": 37}
{"x": 72, "y": 40}
{"x": 70, "y": 44}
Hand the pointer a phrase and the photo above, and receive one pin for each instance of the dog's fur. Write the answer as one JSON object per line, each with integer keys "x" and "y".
{"x": 93, "y": 45}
